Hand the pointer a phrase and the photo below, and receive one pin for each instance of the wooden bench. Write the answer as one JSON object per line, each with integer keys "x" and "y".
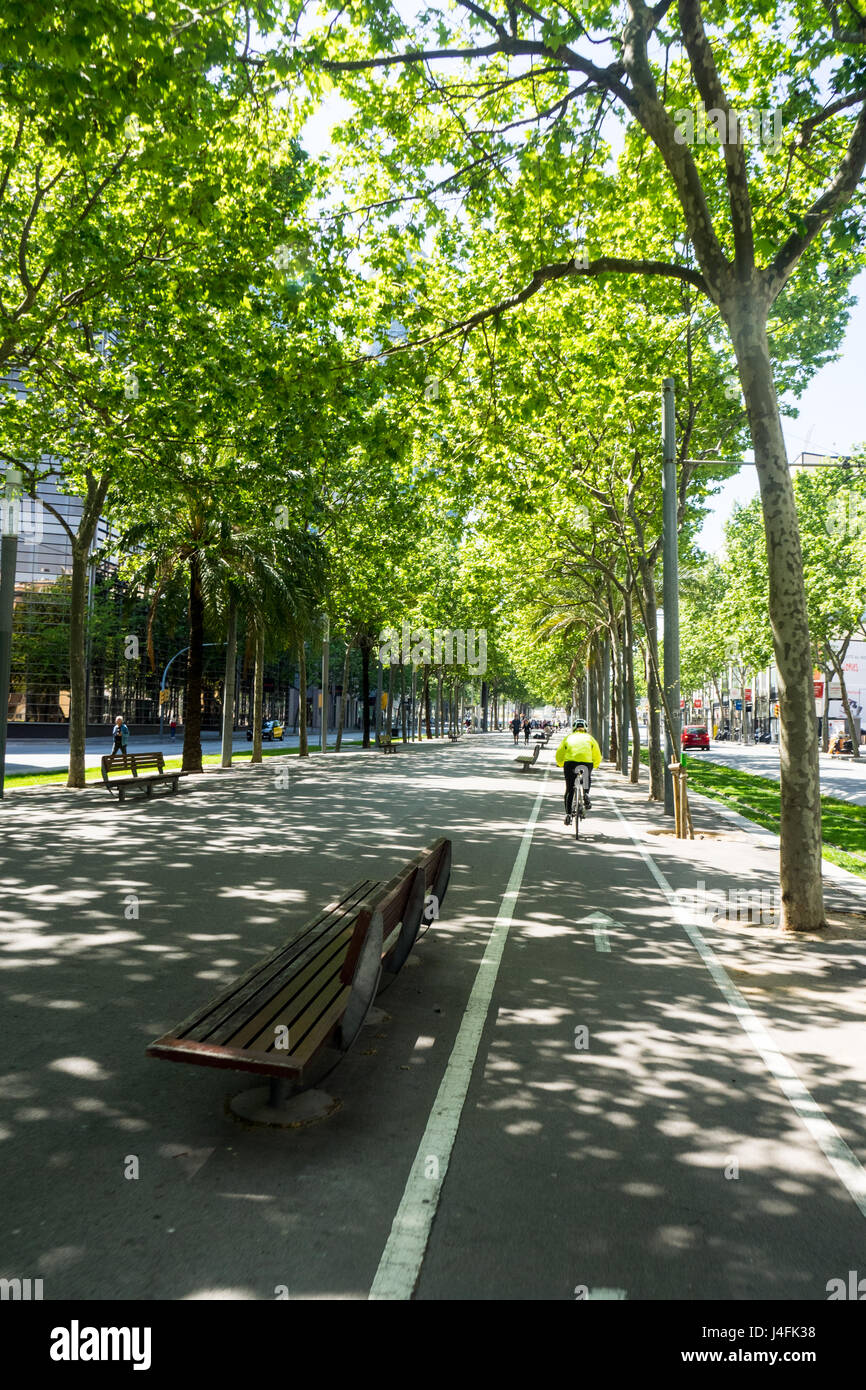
{"x": 137, "y": 763}
{"x": 317, "y": 988}
{"x": 527, "y": 760}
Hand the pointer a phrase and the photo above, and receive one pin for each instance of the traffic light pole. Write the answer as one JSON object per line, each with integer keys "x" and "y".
{"x": 671, "y": 588}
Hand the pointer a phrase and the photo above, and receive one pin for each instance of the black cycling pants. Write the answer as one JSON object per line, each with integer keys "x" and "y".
{"x": 570, "y": 770}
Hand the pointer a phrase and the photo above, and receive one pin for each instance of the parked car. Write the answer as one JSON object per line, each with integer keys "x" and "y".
{"x": 271, "y": 729}
{"x": 695, "y": 736}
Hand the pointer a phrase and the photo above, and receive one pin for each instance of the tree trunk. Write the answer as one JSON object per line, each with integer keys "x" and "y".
{"x": 192, "y": 701}
{"x": 258, "y": 695}
{"x": 656, "y": 755}
{"x": 427, "y": 711}
{"x": 78, "y": 665}
{"x": 622, "y": 701}
{"x": 389, "y": 707}
{"x": 341, "y": 712}
{"x": 365, "y": 690}
{"x": 403, "y": 725}
{"x": 592, "y": 713}
{"x": 606, "y": 698}
{"x": 378, "y": 703}
{"x": 630, "y": 692}
{"x": 81, "y": 543}
{"x": 800, "y": 791}
{"x": 416, "y": 730}
{"x": 614, "y": 730}
{"x": 303, "y": 744}
{"x": 229, "y": 683}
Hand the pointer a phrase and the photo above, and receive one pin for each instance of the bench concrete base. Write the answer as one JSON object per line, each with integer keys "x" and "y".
{"x": 263, "y": 1105}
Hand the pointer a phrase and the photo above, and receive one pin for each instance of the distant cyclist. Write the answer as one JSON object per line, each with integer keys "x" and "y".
{"x": 578, "y": 749}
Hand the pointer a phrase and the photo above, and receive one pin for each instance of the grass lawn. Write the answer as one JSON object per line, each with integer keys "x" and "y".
{"x": 94, "y": 774}
{"x": 843, "y": 826}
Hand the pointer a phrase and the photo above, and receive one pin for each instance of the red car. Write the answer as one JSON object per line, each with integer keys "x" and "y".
{"x": 695, "y": 736}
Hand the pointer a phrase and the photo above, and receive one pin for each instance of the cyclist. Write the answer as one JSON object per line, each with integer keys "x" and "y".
{"x": 578, "y": 749}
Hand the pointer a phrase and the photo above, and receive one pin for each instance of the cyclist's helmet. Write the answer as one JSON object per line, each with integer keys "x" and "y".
{"x": 578, "y": 724}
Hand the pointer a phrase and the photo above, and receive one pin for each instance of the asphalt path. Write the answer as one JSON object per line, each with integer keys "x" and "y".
{"x": 573, "y": 1089}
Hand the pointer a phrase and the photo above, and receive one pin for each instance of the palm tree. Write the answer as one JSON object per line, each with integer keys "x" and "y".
{"x": 276, "y": 586}
{"x": 187, "y": 533}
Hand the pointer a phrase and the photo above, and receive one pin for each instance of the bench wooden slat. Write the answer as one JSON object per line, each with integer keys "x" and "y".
{"x": 300, "y": 1025}
{"x": 322, "y": 980}
{"x": 217, "y": 1011}
{"x": 135, "y": 762}
{"x": 148, "y": 760}
{"x": 290, "y": 1002}
{"x": 329, "y": 1020}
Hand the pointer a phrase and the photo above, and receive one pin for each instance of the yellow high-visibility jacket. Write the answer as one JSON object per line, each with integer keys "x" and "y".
{"x": 578, "y": 747}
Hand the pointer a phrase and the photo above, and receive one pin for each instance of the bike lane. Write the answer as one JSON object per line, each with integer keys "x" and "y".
{"x": 622, "y": 1134}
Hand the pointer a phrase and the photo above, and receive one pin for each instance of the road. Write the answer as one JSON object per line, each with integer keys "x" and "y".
{"x": 844, "y": 780}
{"x": 52, "y": 755}
{"x": 575, "y": 1089}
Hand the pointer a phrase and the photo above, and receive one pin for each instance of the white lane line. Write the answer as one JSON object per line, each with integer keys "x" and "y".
{"x": 599, "y": 921}
{"x": 840, "y": 1157}
{"x": 597, "y": 1295}
{"x": 601, "y": 941}
{"x": 404, "y": 1251}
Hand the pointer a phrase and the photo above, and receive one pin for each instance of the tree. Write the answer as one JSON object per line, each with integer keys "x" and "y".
{"x": 745, "y": 224}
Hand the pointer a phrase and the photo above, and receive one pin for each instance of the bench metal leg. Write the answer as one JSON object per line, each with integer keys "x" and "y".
{"x": 282, "y": 1105}
{"x": 278, "y": 1092}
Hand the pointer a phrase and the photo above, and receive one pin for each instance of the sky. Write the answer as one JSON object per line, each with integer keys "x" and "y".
{"x": 831, "y": 420}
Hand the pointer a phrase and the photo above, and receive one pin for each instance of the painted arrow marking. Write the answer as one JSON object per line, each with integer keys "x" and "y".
{"x": 600, "y": 923}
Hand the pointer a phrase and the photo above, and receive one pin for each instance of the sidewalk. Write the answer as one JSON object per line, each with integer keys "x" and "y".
{"x": 603, "y": 1167}
{"x": 32, "y": 755}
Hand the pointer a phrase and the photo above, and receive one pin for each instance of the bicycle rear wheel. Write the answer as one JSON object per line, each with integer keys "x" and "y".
{"x": 578, "y": 808}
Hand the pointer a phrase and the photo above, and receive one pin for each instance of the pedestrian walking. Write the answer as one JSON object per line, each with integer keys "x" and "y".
{"x": 173, "y": 727}
{"x": 527, "y": 729}
{"x": 121, "y": 736}
{"x": 515, "y": 728}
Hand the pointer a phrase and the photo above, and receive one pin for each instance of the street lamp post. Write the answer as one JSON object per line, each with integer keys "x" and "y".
{"x": 671, "y": 588}
{"x": 8, "y": 561}
{"x": 165, "y": 673}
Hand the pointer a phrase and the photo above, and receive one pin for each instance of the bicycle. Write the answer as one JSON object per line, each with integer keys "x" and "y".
{"x": 576, "y": 808}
